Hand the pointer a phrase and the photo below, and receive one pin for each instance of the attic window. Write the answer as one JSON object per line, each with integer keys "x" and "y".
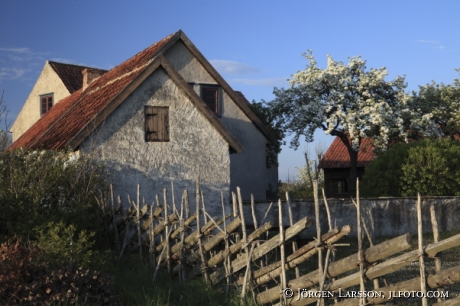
{"x": 46, "y": 102}
{"x": 210, "y": 96}
{"x": 156, "y": 123}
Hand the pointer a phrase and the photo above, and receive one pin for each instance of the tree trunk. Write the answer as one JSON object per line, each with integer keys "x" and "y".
{"x": 351, "y": 180}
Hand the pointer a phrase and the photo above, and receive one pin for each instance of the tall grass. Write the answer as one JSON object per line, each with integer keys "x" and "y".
{"x": 135, "y": 287}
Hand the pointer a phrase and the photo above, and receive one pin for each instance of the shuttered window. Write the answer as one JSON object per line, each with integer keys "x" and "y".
{"x": 46, "y": 102}
{"x": 156, "y": 123}
{"x": 210, "y": 96}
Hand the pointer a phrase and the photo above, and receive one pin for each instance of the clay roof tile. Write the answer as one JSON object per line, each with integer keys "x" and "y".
{"x": 58, "y": 126}
{"x": 337, "y": 155}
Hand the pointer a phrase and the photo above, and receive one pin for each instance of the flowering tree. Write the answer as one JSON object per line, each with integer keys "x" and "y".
{"x": 349, "y": 102}
{"x": 442, "y": 102}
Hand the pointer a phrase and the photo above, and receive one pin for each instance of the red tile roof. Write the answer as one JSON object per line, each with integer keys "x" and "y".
{"x": 67, "y": 118}
{"x": 337, "y": 155}
{"x": 71, "y": 75}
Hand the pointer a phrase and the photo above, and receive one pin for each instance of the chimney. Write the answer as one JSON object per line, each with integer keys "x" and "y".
{"x": 90, "y": 75}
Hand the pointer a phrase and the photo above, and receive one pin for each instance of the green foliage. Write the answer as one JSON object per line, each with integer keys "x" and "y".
{"x": 39, "y": 187}
{"x": 267, "y": 116}
{"x": 134, "y": 281}
{"x": 62, "y": 244}
{"x": 383, "y": 175}
{"x": 430, "y": 167}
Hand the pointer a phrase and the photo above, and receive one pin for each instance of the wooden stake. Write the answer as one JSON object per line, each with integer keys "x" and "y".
{"x": 117, "y": 237}
{"x": 283, "y": 258}
{"x": 247, "y": 274}
{"x": 138, "y": 200}
{"x": 326, "y": 264}
{"x": 187, "y": 205}
{"x": 203, "y": 207}
{"x": 420, "y": 249}
{"x": 152, "y": 242}
{"x": 254, "y": 221}
{"x": 329, "y": 222}
{"x": 168, "y": 261}
{"x": 328, "y": 212}
{"x": 227, "y": 264}
{"x": 158, "y": 265}
{"x": 434, "y": 226}
{"x": 266, "y": 234}
{"x": 362, "y": 301}
{"x": 181, "y": 258}
{"x": 291, "y": 222}
{"x": 318, "y": 231}
{"x": 243, "y": 229}
{"x": 204, "y": 266}
{"x": 235, "y": 207}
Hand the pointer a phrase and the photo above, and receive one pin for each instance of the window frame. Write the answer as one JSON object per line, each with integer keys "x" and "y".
{"x": 217, "y": 89}
{"x": 45, "y": 107}
{"x": 156, "y": 117}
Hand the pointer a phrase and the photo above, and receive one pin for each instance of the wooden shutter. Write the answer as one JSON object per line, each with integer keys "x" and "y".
{"x": 156, "y": 123}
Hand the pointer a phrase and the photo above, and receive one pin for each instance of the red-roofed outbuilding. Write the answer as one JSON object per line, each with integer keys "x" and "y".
{"x": 336, "y": 165}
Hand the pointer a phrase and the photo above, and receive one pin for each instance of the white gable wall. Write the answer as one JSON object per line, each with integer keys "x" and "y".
{"x": 195, "y": 146}
{"x": 47, "y": 82}
{"x": 248, "y": 169}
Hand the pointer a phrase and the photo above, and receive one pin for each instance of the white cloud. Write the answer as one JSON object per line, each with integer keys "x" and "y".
{"x": 424, "y": 41}
{"x": 21, "y": 54}
{"x": 271, "y": 82}
{"x": 11, "y": 73}
{"x": 440, "y": 47}
{"x": 234, "y": 68}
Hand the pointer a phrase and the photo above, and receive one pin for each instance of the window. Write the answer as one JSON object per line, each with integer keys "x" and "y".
{"x": 337, "y": 188}
{"x": 156, "y": 123}
{"x": 210, "y": 96}
{"x": 46, "y": 102}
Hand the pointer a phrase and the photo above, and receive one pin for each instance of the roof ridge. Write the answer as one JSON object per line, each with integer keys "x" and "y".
{"x": 82, "y": 66}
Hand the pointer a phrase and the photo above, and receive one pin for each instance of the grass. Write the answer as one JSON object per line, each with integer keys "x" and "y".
{"x": 135, "y": 285}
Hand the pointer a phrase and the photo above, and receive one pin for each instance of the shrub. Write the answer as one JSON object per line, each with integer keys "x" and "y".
{"x": 430, "y": 167}
{"x": 39, "y": 187}
{"x": 382, "y": 177}
{"x": 26, "y": 280}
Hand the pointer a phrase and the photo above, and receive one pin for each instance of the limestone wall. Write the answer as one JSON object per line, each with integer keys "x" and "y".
{"x": 48, "y": 82}
{"x": 248, "y": 169}
{"x": 195, "y": 147}
{"x": 392, "y": 216}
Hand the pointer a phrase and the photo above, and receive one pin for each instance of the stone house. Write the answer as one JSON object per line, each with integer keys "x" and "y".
{"x": 336, "y": 165}
{"x": 165, "y": 115}
{"x": 56, "y": 81}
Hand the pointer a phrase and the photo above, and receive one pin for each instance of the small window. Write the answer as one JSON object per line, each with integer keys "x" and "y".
{"x": 46, "y": 103}
{"x": 337, "y": 188}
{"x": 156, "y": 123}
{"x": 210, "y": 96}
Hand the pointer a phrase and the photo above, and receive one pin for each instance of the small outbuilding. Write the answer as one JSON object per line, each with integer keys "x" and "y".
{"x": 336, "y": 165}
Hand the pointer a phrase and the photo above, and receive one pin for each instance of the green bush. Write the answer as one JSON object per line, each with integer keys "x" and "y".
{"x": 382, "y": 177}
{"x": 39, "y": 187}
{"x": 430, "y": 167}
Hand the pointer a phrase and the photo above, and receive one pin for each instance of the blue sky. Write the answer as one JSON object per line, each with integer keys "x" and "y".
{"x": 255, "y": 45}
